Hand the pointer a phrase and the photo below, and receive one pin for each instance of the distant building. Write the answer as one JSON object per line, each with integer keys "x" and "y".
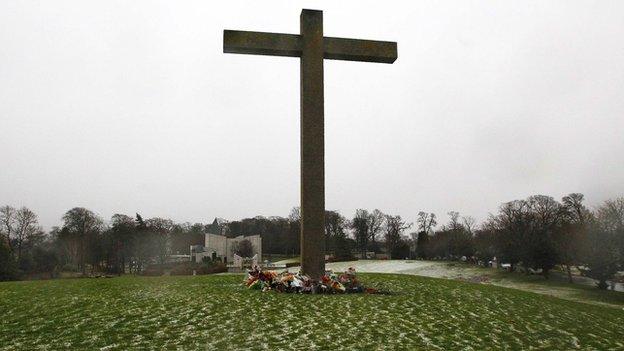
{"x": 221, "y": 247}
{"x": 197, "y": 253}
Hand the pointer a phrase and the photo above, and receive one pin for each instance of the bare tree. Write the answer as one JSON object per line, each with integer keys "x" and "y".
{"x": 511, "y": 228}
{"x": 547, "y": 211}
{"x": 335, "y": 225}
{"x": 336, "y": 241}
{"x": 122, "y": 234}
{"x": 611, "y": 215}
{"x": 360, "y": 227}
{"x": 426, "y": 222}
{"x": 291, "y": 236}
{"x": 27, "y": 230}
{"x": 469, "y": 224}
{"x": 295, "y": 214}
{"x": 7, "y": 222}
{"x": 572, "y": 233}
{"x": 394, "y": 227}
{"x": 367, "y": 226}
{"x": 160, "y": 231}
{"x": 454, "y": 222}
{"x": 80, "y": 231}
{"x": 601, "y": 254}
{"x": 575, "y": 209}
{"x": 527, "y": 232}
{"x": 375, "y": 225}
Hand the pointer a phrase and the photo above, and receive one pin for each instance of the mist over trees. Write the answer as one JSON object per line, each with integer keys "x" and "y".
{"x": 536, "y": 234}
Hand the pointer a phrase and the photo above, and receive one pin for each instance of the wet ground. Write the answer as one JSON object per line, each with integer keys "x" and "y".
{"x": 216, "y": 312}
{"x": 582, "y": 290}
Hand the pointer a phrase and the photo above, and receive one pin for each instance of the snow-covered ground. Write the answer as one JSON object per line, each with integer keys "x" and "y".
{"x": 423, "y": 268}
{"x": 456, "y": 270}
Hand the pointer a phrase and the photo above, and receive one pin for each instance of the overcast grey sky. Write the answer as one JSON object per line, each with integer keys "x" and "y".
{"x": 131, "y": 107}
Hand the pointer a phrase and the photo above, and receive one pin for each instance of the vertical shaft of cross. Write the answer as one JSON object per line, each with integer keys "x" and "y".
{"x": 312, "y": 145}
{"x": 312, "y": 48}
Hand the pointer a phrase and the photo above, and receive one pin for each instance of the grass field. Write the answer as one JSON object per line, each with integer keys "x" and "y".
{"x": 583, "y": 290}
{"x": 217, "y": 313}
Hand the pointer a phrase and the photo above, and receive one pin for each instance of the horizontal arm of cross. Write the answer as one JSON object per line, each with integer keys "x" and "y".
{"x": 277, "y": 44}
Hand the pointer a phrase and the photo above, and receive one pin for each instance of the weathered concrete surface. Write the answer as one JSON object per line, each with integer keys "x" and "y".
{"x": 312, "y": 145}
{"x": 312, "y": 48}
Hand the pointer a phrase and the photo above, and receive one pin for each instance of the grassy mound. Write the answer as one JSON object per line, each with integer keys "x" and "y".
{"x": 216, "y": 312}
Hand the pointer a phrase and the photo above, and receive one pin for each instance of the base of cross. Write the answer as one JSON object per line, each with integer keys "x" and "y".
{"x": 297, "y": 283}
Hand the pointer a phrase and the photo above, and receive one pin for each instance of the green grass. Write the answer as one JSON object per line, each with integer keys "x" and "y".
{"x": 557, "y": 285}
{"x": 217, "y": 313}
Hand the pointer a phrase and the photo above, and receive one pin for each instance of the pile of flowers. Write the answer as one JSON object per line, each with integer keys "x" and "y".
{"x": 287, "y": 282}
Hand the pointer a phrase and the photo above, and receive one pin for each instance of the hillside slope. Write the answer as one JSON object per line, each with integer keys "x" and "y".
{"x": 216, "y": 312}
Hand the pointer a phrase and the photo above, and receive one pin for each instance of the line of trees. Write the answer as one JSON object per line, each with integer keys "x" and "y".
{"x": 367, "y": 231}
{"x": 537, "y": 233}
{"x": 85, "y": 244}
{"x": 20, "y": 237}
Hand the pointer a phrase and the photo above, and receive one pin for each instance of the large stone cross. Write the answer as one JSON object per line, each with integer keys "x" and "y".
{"x": 311, "y": 47}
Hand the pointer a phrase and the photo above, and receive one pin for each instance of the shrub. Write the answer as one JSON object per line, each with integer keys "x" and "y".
{"x": 213, "y": 268}
{"x": 186, "y": 268}
{"x": 153, "y": 271}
